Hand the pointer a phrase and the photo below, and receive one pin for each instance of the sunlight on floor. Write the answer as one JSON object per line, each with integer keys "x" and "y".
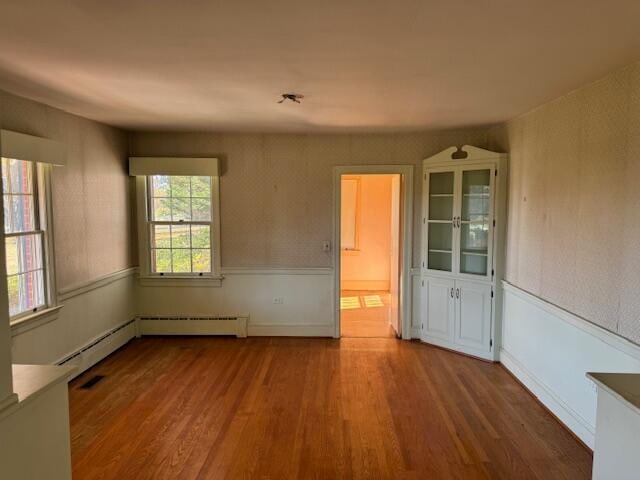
{"x": 368, "y": 301}
{"x": 347, "y": 303}
{"x": 372, "y": 301}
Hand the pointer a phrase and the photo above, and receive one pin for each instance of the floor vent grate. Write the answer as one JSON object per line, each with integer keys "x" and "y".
{"x": 91, "y": 382}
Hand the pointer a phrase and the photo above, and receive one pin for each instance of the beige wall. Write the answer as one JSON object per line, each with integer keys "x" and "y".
{"x": 277, "y": 189}
{"x": 368, "y": 267}
{"x": 574, "y": 201}
{"x": 91, "y": 198}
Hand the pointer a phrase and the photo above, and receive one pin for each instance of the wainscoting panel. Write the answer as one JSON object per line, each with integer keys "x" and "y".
{"x": 550, "y": 350}
{"x": 276, "y": 301}
{"x": 88, "y": 312}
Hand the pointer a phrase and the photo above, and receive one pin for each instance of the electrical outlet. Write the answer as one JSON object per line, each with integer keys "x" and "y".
{"x": 278, "y": 300}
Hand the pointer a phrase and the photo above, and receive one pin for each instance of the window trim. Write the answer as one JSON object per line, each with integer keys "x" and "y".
{"x": 44, "y": 217}
{"x": 147, "y": 277}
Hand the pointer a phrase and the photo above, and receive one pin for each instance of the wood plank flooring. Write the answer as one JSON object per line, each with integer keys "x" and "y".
{"x": 296, "y": 408}
{"x": 365, "y": 314}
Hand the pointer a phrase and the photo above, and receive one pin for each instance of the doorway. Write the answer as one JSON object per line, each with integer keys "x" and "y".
{"x": 371, "y": 254}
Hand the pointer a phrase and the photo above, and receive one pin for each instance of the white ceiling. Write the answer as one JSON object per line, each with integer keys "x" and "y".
{"x": 365, "y": 65}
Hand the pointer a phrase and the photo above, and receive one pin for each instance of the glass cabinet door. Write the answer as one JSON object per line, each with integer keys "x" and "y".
{"x": 440, "y": 221}
{"x": 475, "y": 215}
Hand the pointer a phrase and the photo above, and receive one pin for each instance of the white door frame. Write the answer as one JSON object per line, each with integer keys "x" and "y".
{"x": 406, "y": 175}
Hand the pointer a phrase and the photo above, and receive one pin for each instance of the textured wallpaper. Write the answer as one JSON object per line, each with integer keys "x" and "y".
{"x": 574, "y": 206}
{"x": 91, "y": 195}
{"x": 277, "y": 190}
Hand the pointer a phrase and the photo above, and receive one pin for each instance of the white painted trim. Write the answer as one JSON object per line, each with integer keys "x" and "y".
{"x": 406, "y": 288}
{"x": 277, "y": 271}
{"x": 606, "y": 336}
{"x": 7, "y": 402}
{"x": 575, "y": 422}
{"x": 84, "y": 287}
{"x": 191, "y": 166}
{"x": 291, "y": 330}
{"x": 176, "y": 281}
{"x": 99, "y": 347}
{"x": 21, "y": 146}
{"x": 35, "y": 320}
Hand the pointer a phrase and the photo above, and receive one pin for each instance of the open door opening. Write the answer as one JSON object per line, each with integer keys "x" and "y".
{"x": 370, "y": 255}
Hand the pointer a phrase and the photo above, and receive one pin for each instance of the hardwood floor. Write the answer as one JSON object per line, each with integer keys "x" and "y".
{"x": 280, "y": 408}
{"x": 365, "y": 314}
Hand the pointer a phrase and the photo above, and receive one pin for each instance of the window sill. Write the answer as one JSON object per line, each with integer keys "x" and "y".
{"x": 28, "y": 322}
{"x": 176, "y": 281}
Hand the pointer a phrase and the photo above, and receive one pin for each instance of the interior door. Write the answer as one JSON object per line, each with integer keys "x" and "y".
{"x": 474, "y": 224}
{"x": 395, "y": 254}
{"x": 473, "y": 314}
{"x": 438, "y": 309}
{"x": 441, "y": 207}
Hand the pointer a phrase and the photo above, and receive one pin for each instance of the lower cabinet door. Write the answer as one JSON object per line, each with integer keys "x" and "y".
{"x": 473, "y": 315}
{"x": 438, "y": 309}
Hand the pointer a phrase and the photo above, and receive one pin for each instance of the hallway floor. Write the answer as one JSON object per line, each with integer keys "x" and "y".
{"x": 310, "y": 408}
{"x": 365, "y": 314}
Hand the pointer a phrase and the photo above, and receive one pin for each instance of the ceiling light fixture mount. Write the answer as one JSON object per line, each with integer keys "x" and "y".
{"x": 294, "y": 97}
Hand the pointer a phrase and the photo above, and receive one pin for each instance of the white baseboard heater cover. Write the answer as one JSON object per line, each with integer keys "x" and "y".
{"x": 194, "y": 325}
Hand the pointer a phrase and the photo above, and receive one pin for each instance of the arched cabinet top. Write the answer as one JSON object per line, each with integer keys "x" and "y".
{"x": 466, "y": 153}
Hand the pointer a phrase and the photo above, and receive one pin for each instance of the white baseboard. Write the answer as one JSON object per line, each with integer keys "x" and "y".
{"x": 550, "y": 350}
{"x": 291, "y": 330}
{"x": 99, "y": 347}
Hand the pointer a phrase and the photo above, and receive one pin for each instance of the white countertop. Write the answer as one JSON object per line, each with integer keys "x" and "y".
{"x": 29, "y": 380}
{"x": 624, "y": 386}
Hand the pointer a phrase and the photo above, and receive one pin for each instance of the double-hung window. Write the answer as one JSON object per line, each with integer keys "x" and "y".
{"x": 178, "y": 201}
{"x": 24, "y": 232}
{"x": 180, "y": 224}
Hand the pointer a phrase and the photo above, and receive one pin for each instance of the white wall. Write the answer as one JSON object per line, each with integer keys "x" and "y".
{"x": 88, "y": 311}
{"x": 306, "y": 308}
{"x": 550, "y": 350}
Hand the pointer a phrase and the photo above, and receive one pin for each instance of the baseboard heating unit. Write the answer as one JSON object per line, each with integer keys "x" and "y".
{"x": 194, "y": 325}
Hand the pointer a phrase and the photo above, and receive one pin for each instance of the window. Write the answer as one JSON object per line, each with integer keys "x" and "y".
{"x": 24, "y": 236}
{"x": 180, "y": 225}
{"x": 349, "y": 215}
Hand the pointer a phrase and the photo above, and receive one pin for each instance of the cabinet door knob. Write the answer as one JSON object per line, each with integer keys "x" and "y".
{"x": 451, "y": 292}
{"x": 457, "y": 293}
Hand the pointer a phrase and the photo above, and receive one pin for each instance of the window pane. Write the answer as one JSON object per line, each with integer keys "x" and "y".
{"x": 161, "y": 236}
{"x": 19, "y": 213}
{"x": 24, "y": 253}
{"x": 160, "y": 186}
{"x": 162, "y": 261}
{"x": 181, "y": 261}
{"x": 201, "y": 260}
{"x": 180, "y": 186}
{"x": 201, "y": 208}
{"x": 201, "y": 187}
{"x": 161, "y": 209}
{"x": 26, "y": 292}
{"x": 180, "y": 209}
{"x": 180, "y": 237}
{"x": 200, "y": 236}
{"x": 17, "y": 176}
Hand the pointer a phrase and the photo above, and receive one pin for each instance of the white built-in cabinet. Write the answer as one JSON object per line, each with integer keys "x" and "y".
{"x": 462, "y": 249}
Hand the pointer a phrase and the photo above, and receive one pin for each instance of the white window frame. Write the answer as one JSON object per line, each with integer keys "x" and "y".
{"x": 149, "y": 278}
{"x": 43, "y": 212}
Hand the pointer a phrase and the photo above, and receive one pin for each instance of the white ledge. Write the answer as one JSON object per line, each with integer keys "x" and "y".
{"x": 177, "y": 281}
{"x": 624, "y": 386}
{"x": 30, "y": 381}
{"x": 34, "y": 320}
